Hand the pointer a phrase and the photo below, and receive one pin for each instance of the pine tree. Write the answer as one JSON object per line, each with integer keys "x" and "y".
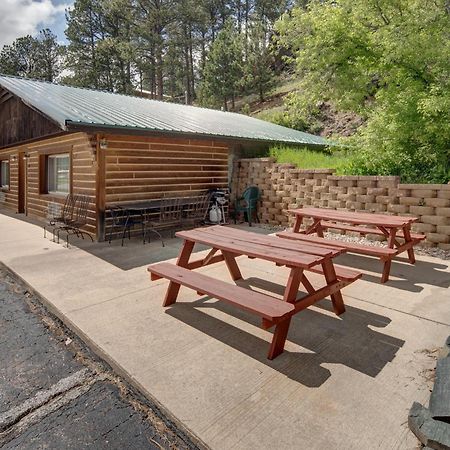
{"x": 222, "y": 77}
{"x": 32, "y": 57}
{"x": 258, "y": 73}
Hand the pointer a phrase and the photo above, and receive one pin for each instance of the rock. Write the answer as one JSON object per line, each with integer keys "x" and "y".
{"x": 440, "y": 397}
{"x": 432, "y": 433}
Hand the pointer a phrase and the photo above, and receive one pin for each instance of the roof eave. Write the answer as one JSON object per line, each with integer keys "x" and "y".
{"x": 84, "y": 126}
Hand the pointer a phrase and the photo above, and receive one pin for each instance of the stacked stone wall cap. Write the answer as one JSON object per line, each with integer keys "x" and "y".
{"x": 344, "y": 177}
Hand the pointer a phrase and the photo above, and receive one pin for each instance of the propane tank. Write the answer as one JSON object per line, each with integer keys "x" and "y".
{"x": 215, "y": 215}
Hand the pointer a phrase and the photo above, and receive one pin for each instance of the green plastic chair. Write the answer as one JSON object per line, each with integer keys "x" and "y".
{"x": 248, "y": 204}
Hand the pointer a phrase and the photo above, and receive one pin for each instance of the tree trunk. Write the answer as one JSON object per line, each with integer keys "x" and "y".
{"x": 187, "y": 73}
{"x": 191, "y": 66}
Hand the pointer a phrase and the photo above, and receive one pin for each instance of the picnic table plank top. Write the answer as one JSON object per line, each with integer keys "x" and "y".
{"x": 383, "y": 220}
{"x": 273, "y": 241}
{"x": 287, "y": 257}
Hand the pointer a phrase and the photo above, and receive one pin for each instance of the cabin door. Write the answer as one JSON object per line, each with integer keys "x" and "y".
{"x": 22, "y": 192}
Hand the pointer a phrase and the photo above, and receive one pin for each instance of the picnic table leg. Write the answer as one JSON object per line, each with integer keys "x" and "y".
{"x": 182, "y": 261}
{"x": 281, "y": 330}
{"x": 297, "y": 223}
{"x": 407, "y": 235}
{"x": 330, "y": 277}
{"x": 319, "y": 229}
{"x": 230, "y": 261}
{"x": 387, "y": 263}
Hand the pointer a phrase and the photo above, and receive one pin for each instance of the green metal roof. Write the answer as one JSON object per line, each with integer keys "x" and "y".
{"x": 71, "y": 106}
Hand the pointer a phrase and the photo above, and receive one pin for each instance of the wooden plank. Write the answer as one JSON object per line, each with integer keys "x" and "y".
{"x": 237, "y": 247}
{"x": 353, "y": 217}
{"x": 383, "y": 252}
{"x": 262, "y": 305}
{"x": 272, "y": 241}
{"x": 366, "y": 230}
{"x": 100, "y": 191}
{"x": 342, "y": 273}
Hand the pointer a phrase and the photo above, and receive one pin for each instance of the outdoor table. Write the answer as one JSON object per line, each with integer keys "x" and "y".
{"x": 228, "y": 243}
{"x": 392, "y": 227}
{"x": 141, "y": 208}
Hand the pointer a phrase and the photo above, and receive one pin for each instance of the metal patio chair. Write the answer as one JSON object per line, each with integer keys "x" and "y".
{"x": 169, "y": 218}
{"x": 79, "y": 220}
{"x": 123, "y": 221}
{"x": 65, "y": 215}
{"x": 194, "y": 212}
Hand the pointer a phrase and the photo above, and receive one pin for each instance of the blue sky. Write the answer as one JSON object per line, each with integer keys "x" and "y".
{"x": 21, "y": 17}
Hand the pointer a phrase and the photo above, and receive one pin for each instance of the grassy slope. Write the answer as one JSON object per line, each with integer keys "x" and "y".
{"x": 309, "y": 159}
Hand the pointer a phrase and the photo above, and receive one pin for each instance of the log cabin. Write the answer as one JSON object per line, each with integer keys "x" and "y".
{"x": 56, "y": 139}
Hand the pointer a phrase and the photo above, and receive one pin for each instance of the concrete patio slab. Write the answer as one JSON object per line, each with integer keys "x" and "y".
{"x": 341, "y": 383}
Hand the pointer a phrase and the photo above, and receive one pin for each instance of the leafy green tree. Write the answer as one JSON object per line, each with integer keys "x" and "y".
{"x": 222, "y": 76}
{"x": 32, "y": 57}
{"x": 387, "y": 60}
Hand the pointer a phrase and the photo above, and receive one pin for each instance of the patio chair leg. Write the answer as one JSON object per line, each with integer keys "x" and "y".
{"x": 123, "y": 235}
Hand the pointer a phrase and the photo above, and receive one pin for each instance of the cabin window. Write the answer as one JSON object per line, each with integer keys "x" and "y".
{"x": 58, "y": 174}
{"x": 4, "y": 174}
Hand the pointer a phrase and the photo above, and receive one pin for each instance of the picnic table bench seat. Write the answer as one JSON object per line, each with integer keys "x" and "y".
{"x": 365, "y": 230}
{"x": 342, "y": 273}
{"x": 265, "y": 306}
{"x": 385, "y": 254}
{"x": 371, "y": 250}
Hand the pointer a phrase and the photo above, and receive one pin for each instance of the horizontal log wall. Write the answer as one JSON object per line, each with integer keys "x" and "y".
{"x": 10, "y": 196}
{"x": 283, "y": 186}
{"x": 141, "y": 168}
{"x": 80, "y": 146}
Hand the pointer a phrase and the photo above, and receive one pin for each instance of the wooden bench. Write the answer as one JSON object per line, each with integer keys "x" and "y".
{"x": 264, "y": 306}
{"x": 385, "y": 254}
{"x": 342, "y": 273}
{"x": 365, "y": 230}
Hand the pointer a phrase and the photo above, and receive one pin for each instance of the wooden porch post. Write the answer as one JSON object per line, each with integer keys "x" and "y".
{"x": 100, "y": 191}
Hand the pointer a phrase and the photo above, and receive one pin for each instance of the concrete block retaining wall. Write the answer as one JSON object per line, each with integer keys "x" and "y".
{"x": 284, "y": 186}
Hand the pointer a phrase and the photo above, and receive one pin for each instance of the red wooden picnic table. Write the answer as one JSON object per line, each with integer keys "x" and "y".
{"x": 392, "y": 227}
{"x": 227, "y": 244}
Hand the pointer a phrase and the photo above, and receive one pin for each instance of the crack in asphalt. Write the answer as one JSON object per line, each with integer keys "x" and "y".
{"x": 53, "y": 387}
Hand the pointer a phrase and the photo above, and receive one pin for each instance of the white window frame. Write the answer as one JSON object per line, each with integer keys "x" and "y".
{"x": 5, "y": 162}
{"x": 53, "y": 177}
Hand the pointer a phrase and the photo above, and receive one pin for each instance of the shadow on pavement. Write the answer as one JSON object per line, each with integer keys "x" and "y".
{"x": 346, "y": 340}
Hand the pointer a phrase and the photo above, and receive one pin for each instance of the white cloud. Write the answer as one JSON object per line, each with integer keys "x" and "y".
{"x": 21, "y": 17}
